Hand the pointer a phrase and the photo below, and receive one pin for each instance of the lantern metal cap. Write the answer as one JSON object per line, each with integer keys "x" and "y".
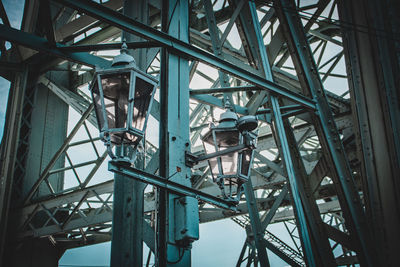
{"x": 124, "y": 58}
{"x": 228, "y": 116}
{"x": 247, "y": 123}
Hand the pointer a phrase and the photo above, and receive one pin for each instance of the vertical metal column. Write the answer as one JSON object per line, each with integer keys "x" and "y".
{"x": 255, "y": 222}
{"x": 174, "y": 134}
{"x": 162, "y": 195}
{"x": 316, "y": 245}
{"x": 372, "y": 66}
{"x": 325, "y": 126}
{"x": 126, "y": 242}
{"x": 44, "y": 130}
{"x": 8, "y": 153}
{"x": 127, "y": 238}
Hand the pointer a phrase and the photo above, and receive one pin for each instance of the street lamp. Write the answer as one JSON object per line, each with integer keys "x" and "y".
{"x": 229, "y": 149}
{"x": 122, "y": 97}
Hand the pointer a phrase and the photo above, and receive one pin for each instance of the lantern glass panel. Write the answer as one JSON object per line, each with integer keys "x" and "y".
{"x": 97, "y": 104}
{"x": 245, "y": 162}
{"x": 210, "y": 148}
{"x": 142, "y": 98}
{"x": 116, "y": 94}
{"x": 227, "y": 139}
{"x": 229, "y": 164}
{"x": 116, "y": 100}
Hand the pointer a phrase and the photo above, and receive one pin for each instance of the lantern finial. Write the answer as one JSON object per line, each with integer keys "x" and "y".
{"x": 227, "y": 103}
{"x": 124, "y": 48}
{"x": 124, "y": 58}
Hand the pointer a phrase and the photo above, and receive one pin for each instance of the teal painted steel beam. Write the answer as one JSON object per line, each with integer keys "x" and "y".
{"x": 256, "y": 224}
{"x": 10, "y": 141}
{"x": 172, "y": 187}
{"x": 45, "y": 14}
{"x": 283, "y": 144}
{"x": 371, "y": 63}
{"x": 216, "y": 45}
{"x": 217, "y": 102}
{"x": 316, "y": 246}
{"x": 46, "y": 172}
{"x": 42, "y": 45}
{"x": 224, "y": 90}
{"x": 280, "y": 254}
{"x": 301, "y": 219}
{"x": 162, "y": 196}
{"x": 181, "y": 48}
{"x": 111, "y": 46}
{"x": 329, "y": 136}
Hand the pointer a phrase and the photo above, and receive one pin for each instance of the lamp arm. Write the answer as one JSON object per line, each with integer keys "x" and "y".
{"x": 220, "y": 153}
{"x": 250, "y": 139}
{"x": 192, "y": 160}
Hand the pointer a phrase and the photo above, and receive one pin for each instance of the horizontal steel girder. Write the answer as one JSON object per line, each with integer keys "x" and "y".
{"x": 169, "y": 185}
{"x": 184, "y": 49}
{"x": 41, "y": 44}
{"x": 93, "y": 218}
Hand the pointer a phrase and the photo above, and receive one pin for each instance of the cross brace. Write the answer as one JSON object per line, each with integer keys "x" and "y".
{"x": 184, "y": 49}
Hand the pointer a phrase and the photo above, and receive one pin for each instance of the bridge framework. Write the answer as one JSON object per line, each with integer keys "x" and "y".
{"x": 325, "y": 166}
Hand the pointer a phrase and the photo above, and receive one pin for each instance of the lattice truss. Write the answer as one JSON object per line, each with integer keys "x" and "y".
{"x": 79, "y": 212}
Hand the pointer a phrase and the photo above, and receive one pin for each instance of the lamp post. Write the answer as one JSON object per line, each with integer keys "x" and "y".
{"x": 122, "y": 96}
{"x": 229, "y": 149}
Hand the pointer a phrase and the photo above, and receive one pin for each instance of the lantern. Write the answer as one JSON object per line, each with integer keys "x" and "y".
{"x": 122, "y": 97}
{"x": 229, "y": 149}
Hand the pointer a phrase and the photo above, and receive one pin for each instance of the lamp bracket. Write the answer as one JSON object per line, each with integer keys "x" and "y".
{"x": 191, "y": 159}
{"x": 169, "y": 185}
{"x": 117, "y": 156}
{"x": 250, "y": 139}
